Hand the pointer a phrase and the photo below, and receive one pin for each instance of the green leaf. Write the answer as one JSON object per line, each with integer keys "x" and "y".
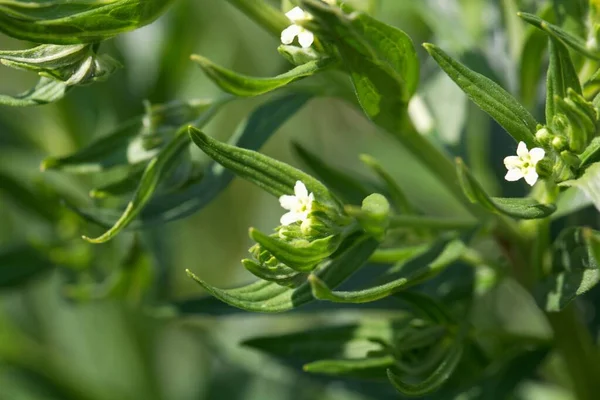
{"x": 397, "y": 254}
{"x": 489, "y": 96}
{"x": 300, "y": 255}
{"x": 435, "y": 380}
{"x": 46, "y": 91}
{"x": 591, "y": 154}
{"x": 34, "y": 203}
{"x": 65, "y": 22}
{"x": 381, "y": 60}
{"x": 20, "y": 264}
{"x": 561, "y": 35}
{"x": 268, "y": 297}
{"x": 281, "y": 274}
{"x": 415, "y": 271}
{"x": 522, "y": 208}
{"x": 561, "y": 76}
{"x": 349, "y": 188}
{"x": 575, "y": 268}
{"x": 271, "y": 175}
{"x": 369, "y": 367}
{"x": 572, "y": 15}
{"x": 589, "y": 183}
{"x": 247, "y": 86}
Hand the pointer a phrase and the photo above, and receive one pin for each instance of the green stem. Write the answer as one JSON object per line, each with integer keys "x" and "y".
{"x": 416, "y": 221}
{"x": 271, "y": 19}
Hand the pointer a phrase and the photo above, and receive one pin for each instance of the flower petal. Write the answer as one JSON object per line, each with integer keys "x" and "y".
{"x": 536, "y": 154}
{"x": 289, "y": 202}
{"x": 531, "y": 176}
{"x": 306, "y": 38}
{"x": 522, "y": 149}
{"x": 511, "y": 162}
{"x": 300, "y": 190}
{"x": 513, "y": 174}
{"x": 290, "y": 218}
{"x": 296, "y": 14}
{"x": 289, "y": 33}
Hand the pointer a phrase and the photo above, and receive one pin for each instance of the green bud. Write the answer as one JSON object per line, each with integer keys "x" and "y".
{"x": 544, "y": 136}
{"x": 559, "y": 143}
{"x": 570, "y": 158}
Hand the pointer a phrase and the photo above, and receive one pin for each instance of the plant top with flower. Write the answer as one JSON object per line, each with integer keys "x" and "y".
{"x": 335, "y": 224}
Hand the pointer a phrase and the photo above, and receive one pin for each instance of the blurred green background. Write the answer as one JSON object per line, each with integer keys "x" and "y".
{"x": 139, "y": 347}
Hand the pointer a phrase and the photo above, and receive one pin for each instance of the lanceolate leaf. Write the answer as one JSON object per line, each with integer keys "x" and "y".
{"x": 62, "y": 22}
{"x": 522, "y": 208}
{"x": 247, "y": 86}
{"x": 273, "y": 176}
{"x": 558, "y": 33}
{"x": 561, "y": 76}
{"x": 489, "y": 96}
{"x": 46, "y": 91}
{"x": 413, "y": 272}
{"x": 434, "y": 381}
{"x": 591, "y": 154}
{"x": 265, "y": 296}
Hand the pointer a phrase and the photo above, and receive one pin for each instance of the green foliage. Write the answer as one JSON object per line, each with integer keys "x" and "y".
{"x": 420, "y": 278}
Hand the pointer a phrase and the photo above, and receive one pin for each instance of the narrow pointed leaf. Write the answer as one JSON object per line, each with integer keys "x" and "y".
{"x": 558, "y": 33}
{"x": 269, "y": 297}
{"x": 247, "y": 86}
{"x": 522, "y": 208}
{"x": 65, "y": 22}
{"x": 397, "y": 195}
{"x": 271, "y": 175}
{"x": 434, "y": 381}
{"x": 371, "y": 367}
{"x": 561, "y": 76}
{"x": 281, "y": 274}
{"x": 412, "y": 273}
{"x": 591, "y": 154}
{"x": 489, "y": 96}
{"x": 589, "y": 183}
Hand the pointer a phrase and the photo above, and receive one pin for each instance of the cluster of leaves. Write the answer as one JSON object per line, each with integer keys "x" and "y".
{"x": 149, "y": 177}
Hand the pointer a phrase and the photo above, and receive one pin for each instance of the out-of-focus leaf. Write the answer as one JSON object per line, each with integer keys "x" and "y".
{"x": 67, "y": 22}
{"x": 349, "y": 188}
{"x": 435, "y": 380}
{"x": 522, "y": 208}
{"x": 397, "y": 195}
{"x": 589, "y": 183}
{"x": 570, "y": 201}
{"x": 575, "y": 268}
{"x": 364, "y": 368}
{"x": 46, "y": 91}
{"x": 572, "y": 15}
{"x": 117, "y": 148}
{"x": 489, "y": 96}
{"x": 270, "y": 297}
{"x": 561, "y": 76}
{"x": 415, "y": 271}
{"x": 561, "y": 35}
{"x": 247, "y": 86}
{"x": 27, "y": 199}
{"x": 20, "y": 264}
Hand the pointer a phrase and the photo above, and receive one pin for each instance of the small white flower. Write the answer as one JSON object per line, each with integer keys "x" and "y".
{"x": 299, "y": 205}
{"x": 523, "y": 164}
{"x": 305, "y": 37}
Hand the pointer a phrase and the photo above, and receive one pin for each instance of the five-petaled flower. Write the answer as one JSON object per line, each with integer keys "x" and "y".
{"x": 523, "y": 165}
{"x": 305, "y": 37}
{"x": 299, "y": 205}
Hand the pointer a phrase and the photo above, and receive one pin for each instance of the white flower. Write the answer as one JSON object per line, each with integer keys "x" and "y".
{"x": 305, "y": 37}
{"x": 299, "y": 205}
{"x": 523, "y": 164}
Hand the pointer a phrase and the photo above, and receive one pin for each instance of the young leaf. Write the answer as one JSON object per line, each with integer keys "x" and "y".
{"x": 561, "y": 76}
{"x": 46, "y": 91}
{"x": 522, "y": 208}
{"x": 247, "y": 86}
{"x": 575, "y": 268}
{"x": 65, "y": 22}
{"x": 268, "y": 297}
{"x": 489, "y": 96}
{"x": 563, "y": 36}
{"x": 434, "y": 381}
{"x": 273, "y": 176}
{"x": 415, "y": 271}
{"x": 589, "y": 183}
